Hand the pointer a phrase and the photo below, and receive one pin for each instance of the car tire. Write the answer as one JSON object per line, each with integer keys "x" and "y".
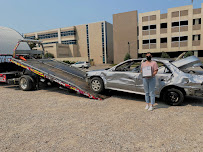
{"x": 173, "y": 96}
{"x": 26, "y": 83}
{"x": 97, "y": 85}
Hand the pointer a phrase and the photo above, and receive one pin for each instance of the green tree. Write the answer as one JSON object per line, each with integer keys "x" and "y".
{"x": 143, "y": 55}
{"x": 189, "y": 53}
{"x": 48, "y": 55}
{"x": 127, "y": 56}
{"x": 32, "y": 45}
{"x": 164, "y": 55}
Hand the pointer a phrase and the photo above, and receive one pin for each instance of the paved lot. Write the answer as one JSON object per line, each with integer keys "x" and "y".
{"x": 55, "y": 120}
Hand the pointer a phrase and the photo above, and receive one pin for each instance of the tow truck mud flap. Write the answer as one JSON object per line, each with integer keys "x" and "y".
{"x": 60, "y": 73}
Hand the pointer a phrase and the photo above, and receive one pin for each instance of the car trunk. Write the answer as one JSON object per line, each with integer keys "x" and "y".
{"x": 190, "y": 65}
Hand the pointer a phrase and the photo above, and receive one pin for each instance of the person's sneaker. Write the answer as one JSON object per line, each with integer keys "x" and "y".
{"x": 151, "y": 108}
{"x": 147, "y": 107}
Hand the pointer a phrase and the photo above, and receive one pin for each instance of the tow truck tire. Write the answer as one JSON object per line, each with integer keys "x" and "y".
{"x": 26, "y": 83}
{"x": 97, "y": 85}
{"x": 173, "y": 96}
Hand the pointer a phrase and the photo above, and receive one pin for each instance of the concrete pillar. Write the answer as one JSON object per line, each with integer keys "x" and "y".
{"x": 59, "y": 35}
{"x": 36, "y": 35}
{"x": 196, "y": 53}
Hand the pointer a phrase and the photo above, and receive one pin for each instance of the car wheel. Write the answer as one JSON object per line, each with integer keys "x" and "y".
{"x": 97, "y": 85}
{"x": 173, "y": 96}
{"x": 26, "y": 83}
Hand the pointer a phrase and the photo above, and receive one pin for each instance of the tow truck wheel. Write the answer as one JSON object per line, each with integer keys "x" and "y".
{"x": 26, "y": 83}
{"x": 173, "y": 96}
{"x": 97, "y": 85}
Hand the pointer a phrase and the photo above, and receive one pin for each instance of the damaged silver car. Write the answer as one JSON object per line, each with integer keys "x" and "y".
{"x": 174, "y": 80}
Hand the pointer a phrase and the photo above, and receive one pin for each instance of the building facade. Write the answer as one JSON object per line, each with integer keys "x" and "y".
{"x": 85, "y": 42}
{"x": 178, "y": 30}
{"x": 125, "y": 35}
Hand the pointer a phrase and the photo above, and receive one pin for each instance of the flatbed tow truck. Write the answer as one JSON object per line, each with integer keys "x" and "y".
{"x": 32, "y": 70}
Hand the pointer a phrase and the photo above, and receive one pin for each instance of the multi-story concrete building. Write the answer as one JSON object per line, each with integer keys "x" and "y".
{"x": 79, "y": 43}
{"x": 178, "y": 30}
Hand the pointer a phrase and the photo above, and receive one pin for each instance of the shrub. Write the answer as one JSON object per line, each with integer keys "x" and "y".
{"x": 48, "y": 55}
{"x": 164, "y": 55}
{"x": 189, "y": 53}
{"x": 127, "y": 56}
{"x": 68, "y": 62}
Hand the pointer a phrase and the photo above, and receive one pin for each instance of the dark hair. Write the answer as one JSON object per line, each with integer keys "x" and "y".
{"x": 148, "y": 53}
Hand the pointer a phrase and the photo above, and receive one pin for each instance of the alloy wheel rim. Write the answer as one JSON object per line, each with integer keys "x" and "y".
{"x": 96, "y": 85}
{"x": 173, "y": 96}
{"x": 23, "y": 83}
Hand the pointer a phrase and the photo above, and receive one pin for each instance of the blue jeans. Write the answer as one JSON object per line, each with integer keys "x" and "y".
{"x": 149, "y": 88}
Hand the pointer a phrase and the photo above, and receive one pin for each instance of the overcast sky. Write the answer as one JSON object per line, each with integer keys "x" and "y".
{"x": 36, "y": 15}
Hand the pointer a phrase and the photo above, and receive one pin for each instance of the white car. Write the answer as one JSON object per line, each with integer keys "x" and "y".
{"x": 81, "y": 65}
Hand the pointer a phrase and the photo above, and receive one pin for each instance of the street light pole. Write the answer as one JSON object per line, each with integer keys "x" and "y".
{"x": 129, "y": 48}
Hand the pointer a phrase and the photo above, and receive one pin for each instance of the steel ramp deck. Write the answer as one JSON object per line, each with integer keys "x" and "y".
{"x": 60, "y": 73}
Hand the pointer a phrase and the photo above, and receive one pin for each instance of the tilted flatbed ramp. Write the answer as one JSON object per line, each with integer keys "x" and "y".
{"x": 61, "y": 73}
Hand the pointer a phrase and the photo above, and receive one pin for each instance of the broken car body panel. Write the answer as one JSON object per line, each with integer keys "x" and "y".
{"x": 126, "y": 76}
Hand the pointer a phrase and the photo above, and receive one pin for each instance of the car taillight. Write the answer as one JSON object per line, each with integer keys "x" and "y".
{"x": 2, "y": 78}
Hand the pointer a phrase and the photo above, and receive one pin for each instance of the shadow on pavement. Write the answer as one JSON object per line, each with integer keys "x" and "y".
{"x": 193, "y": 101}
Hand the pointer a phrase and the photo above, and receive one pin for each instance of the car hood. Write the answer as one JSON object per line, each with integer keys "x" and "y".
{"x": 190, "y": 61}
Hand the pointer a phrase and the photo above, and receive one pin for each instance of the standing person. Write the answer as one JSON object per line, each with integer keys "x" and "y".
{"x": 149, "y": 82}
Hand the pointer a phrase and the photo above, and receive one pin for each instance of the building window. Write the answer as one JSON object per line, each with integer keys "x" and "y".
{"x": 151, "y": 27}
{"x": 196, "y": 37}
{"x": 177, "y": 39}
{"x": 151, "y": 41}
{"x": 69, "y": 42}
{"x": 30, "y": 37}
{"x": 145, "y": 42}
{"x": 175, "y": 24}
{"x": 145, "y": 18}
{"x": 88, "y": 45}
{"x": 163, "y": 25}
{"x": 103, "y": 46}
{"x": 48, "y": 36}
{"x": 183, "y": 38}
{"x": 50, "y": 43}
{"x": 196, "y": 21}
{"x": 183, "y": 23}
{"x": 163, "y": 40}
{"x": 184, "y": 13}
{"x": 67, "y": 33}
{"x": 152, "y": 17}
{"x": 175, "y": 14}
{"x": 145, "y": 28}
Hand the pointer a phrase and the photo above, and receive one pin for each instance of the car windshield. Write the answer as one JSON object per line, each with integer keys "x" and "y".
{"x": 79, "y": 63}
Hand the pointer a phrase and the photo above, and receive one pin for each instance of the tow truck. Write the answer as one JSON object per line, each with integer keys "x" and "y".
{"x": 27, "y": 68}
